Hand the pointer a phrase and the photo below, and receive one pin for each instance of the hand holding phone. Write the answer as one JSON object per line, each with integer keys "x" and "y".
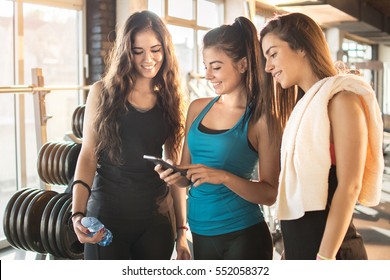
{"x": 165, "y": 165}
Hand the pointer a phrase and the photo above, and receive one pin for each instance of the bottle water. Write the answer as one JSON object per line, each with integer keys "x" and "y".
{"x": 94, "y": 225}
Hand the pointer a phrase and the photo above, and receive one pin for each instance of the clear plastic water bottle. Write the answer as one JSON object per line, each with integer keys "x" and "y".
{"x": 94, "y": 225}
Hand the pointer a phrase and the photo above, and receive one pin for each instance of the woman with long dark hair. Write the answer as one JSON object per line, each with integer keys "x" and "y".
{"x": 136, "y": 109}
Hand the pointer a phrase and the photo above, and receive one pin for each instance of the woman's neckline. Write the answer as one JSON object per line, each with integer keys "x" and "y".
{"x": 141, "y": 110}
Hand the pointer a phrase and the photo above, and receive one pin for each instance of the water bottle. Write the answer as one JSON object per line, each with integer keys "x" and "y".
{"x": 94, "y": 225}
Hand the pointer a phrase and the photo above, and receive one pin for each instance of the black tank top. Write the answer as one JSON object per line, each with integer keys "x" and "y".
{"x": 132, "y": 189}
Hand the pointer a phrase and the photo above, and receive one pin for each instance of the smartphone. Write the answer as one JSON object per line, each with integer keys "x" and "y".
{"x": 165, "y": 165}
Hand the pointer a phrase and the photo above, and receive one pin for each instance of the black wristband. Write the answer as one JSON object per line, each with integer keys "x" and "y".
{"x": 85, "y": 185}
{"x": 74, "y": 215}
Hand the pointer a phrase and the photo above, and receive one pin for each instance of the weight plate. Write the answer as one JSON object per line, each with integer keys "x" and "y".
{"x": 50, "y": 164}
{"x": 71, "y": 161}
{"x": 63, "y": 157}
{"x": 51, "y": 233}
{"x": 7, "y": 214}
{"x": 77, "y": 122}
{"x": 14, "y": 216}
{"x": 21, "y": 218}
{"x": 45, "y": 162}
{"x": 73, "y": 248}
{"x": 33, "y": 220}
{"x": 56, "y": 164}
{"x": 81, "y": 120}
{"x": 45, "y": 222}
{"x": 59, "y": 229}
{"x": 40, "y": 160}
{"x": 74, "y": 121}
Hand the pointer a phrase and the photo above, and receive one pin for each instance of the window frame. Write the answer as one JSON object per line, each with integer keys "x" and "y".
{"x": 19, "y": 79}
{"x": 170, "y": 20}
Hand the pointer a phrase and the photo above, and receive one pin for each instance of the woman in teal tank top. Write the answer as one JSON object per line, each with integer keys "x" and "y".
{"x": 227, "y": 136}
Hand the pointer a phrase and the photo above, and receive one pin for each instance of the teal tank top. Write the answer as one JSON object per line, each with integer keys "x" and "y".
{"x": 215, "y": 209}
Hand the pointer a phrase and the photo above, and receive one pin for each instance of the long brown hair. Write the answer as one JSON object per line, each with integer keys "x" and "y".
{"x": 120, "y": 79}
{"x": 301, "y": 33}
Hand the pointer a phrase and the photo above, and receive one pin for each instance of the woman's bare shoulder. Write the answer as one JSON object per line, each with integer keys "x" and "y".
{"x": 347, "y": 106}
{"x": 197, "y": 106}
{"x": 96, "y": 87}
{"x": 345, "y": 99}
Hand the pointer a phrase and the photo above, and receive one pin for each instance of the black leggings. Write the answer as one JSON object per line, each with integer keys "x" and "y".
{"x": 253, "y": 243}
{"x": 302, "y": 237}
{"x": 137, "y": 240}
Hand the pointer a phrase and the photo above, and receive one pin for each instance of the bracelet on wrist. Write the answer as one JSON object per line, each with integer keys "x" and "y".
{"x": 320, "y": 257}
{"x": 77, "y": 214}
{"x": 70, "y": 221}
{"x": 85, "y": 185}
{"x": 182, "y": 227}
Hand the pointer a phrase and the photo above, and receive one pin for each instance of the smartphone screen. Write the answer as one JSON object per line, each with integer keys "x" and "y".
{"x": 165, "y": 165}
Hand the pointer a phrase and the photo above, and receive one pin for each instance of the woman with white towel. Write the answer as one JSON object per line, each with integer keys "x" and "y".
{"x": 331, "y": 155}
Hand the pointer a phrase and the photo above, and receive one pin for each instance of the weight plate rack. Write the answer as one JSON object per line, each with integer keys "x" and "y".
{"x": 39, "y": 220}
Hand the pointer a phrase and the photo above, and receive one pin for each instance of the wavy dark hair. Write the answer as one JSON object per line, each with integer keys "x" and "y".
{"x": 240, "y": 40}
{"x": 301, "y": 33}
{"x": 120, "y": 77}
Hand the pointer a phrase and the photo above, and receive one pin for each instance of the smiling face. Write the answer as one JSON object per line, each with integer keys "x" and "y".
{"x": 148, "y": 54}
{"x": 225, "y": 75}
{"x": 287, "y": 66}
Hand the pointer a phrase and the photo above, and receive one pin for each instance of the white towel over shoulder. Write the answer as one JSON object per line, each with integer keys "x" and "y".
{"x": 305, "y": 155}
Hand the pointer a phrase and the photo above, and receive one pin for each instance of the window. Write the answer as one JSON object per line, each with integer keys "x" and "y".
{"x": 259, "y": 21}
{"x": 157, "y": 6}
{"x": 183, "y": 39}
{"x": 49, "y": 45}
{"x": 188, "y": 21}
{"x": 209, "y": 13}
{"x": 355, "y": 53}
{"x": 181, "y": 9}
{"x": 8, "y": 172}
{"x": 6, "y": 35}
{"x": 45, "y": 42}
{"x": 201, "y": 68}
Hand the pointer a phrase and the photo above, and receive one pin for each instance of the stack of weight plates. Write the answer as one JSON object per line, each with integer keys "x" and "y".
{"x": 77, "y": 121}
{"x": 37, "y": 220}
{"x": 57, "y": 162}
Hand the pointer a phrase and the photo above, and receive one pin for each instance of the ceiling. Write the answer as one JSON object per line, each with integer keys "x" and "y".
{"x": 367, "y": 20}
